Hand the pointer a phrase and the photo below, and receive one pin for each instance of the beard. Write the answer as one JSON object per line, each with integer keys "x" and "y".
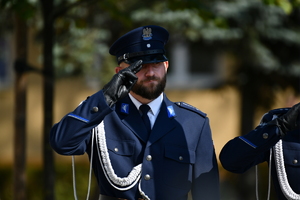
{"x": 150, "y": 92}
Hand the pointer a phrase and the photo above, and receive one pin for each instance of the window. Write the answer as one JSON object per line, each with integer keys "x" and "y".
{"x": 193, "y": 65}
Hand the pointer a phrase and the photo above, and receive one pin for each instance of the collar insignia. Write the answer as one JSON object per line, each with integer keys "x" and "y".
{"x": 147, "y": 34}
{"x": 171, "y": 112}
{"x": 125, "y": 108}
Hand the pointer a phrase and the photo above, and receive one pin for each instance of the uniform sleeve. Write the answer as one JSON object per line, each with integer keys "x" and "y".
{"x": 206, "y": 173}
{"x": 241, "y": 153}
{"x": 72, "y": 134}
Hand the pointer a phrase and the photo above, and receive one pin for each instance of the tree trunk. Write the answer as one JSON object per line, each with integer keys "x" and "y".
{"x": 19, "y": 188}
{"x": 48, "y": 90}
{"x": 246, "y": 181}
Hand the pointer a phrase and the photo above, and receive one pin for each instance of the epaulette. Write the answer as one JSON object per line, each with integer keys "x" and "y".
{"x": 191, "y": 108}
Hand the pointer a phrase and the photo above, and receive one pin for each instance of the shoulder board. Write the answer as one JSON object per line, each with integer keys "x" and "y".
{"x": 191, "y": 108}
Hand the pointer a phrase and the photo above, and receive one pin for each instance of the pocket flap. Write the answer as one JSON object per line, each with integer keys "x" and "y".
{"x": 124, "y": 147}
{"x": 180, "y": 154}
{"x": 291, "y": 157}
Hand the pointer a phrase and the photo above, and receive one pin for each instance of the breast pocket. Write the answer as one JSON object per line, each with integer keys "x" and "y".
{"x": 291, "y": 156}
{"x": 121, "y": 156}
{"x": 178, "y": 166}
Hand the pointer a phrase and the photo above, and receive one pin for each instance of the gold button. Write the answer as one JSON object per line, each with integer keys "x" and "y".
{"x": 95, "y": 109}
{"x": 295, "y": 161}
{"x": 116, "y": 149}
{"x": 265, "y": 135}
{"x": 180, "y": 158}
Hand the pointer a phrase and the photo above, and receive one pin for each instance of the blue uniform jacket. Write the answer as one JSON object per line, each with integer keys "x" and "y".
{"x": 178, "y": 157}
{"x": 241, "y": 153}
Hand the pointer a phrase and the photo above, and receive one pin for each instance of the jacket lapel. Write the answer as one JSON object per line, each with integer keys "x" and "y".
{"x": 131, "y": 118}
{"x": 164, "y": 123}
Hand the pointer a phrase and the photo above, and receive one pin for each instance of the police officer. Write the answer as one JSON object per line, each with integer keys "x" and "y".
{"x": 141, "y": 144}
{"x": 277, "y": 135}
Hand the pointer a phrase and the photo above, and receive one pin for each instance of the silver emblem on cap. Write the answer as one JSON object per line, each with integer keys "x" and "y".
{"x": 147, "y": 34}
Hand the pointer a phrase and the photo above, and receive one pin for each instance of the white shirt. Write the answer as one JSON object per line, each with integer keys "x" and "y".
{"x": 154, "y": 107}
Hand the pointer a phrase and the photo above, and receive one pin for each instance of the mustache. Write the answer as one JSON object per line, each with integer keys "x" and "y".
{"x": 152, "y": 78}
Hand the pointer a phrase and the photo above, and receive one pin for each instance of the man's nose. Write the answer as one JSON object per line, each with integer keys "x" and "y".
{"x": 148, "y": 69}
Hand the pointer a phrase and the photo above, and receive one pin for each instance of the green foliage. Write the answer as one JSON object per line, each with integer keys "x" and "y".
{"x": 266, "y": 46}
{"x": 184, "y": 22}
{"x": 24, "y": 8}
{"x": 286, "y": 5}
{"x": 77, "y": 53}
{"x": 264, "y": 31}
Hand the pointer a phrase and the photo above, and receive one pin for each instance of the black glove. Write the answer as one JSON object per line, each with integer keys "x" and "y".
{"x": 121, "y": 83}
{"x": 288, "y": 121}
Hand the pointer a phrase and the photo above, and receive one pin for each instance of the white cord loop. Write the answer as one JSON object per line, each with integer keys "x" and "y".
{"x": 124, "y": 183}
{"x": 281, "y": 173}
{"x": 121, "y": 184}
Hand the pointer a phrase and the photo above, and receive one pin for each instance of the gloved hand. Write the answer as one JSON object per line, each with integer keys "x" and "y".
{"x": 121, "y": 83}
{"x": 288, "y": 121}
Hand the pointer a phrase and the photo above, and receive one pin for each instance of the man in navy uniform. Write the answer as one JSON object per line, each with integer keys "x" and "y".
{"x": 163, "y": 154}
{"x": 277, "y": 141}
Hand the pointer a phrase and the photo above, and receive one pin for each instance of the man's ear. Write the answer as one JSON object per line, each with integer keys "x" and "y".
{"x": 117, "y": 69}
{"x": 166, "y": 65}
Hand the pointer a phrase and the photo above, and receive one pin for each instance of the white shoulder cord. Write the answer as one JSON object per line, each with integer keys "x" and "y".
{"x": 74, "y": 178}
{"x": 269, "y": 179}
{"x": 130, "y": 181}
{"x": 281, "y": 173}
{"x": 270, "y": 164}
{"x": 90, "y": 171}
{"x": 125, "y": 183}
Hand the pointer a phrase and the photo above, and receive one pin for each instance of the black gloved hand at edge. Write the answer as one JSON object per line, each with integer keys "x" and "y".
{"x": 288, "y": 121}
{"x": 121, "y": 83}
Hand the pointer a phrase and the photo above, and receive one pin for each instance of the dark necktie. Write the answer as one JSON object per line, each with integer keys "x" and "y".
{"x": 145, "y": 108}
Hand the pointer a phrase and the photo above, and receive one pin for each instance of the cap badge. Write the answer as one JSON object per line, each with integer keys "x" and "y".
{"x": 147, "y": 34}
